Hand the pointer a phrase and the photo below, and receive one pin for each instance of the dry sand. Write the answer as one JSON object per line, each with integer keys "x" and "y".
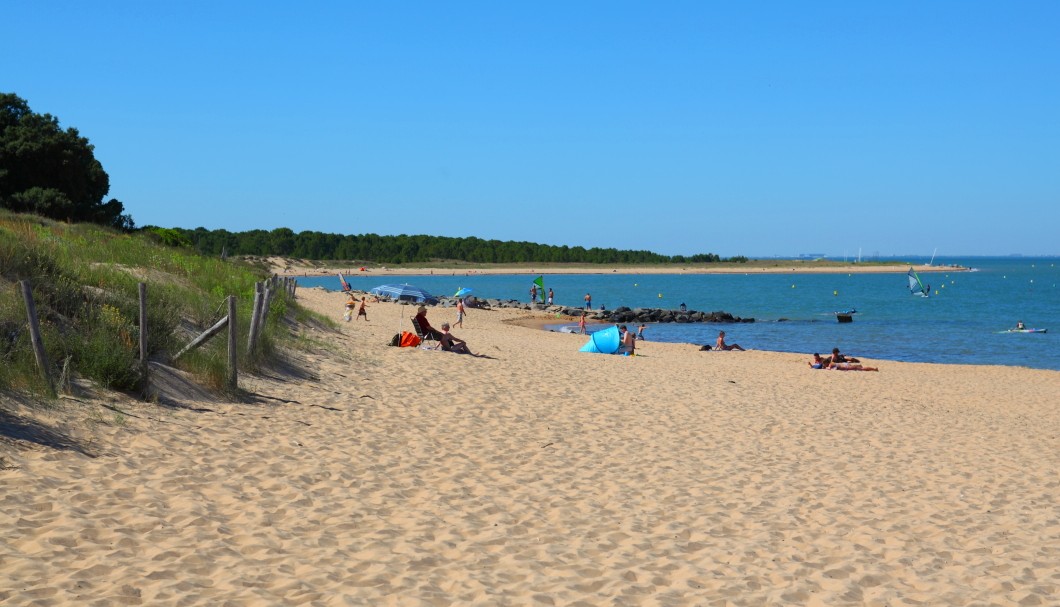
{"x": 544, "y": 476}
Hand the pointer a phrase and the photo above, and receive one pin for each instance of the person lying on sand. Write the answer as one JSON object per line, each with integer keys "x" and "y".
{"x": 839, "y": 358}
{"x": 828, "y": 363}
{"x": 850, "y": 367}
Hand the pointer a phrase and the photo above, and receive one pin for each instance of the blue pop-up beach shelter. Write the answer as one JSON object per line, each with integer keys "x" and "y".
{"x": 603, "y": 342}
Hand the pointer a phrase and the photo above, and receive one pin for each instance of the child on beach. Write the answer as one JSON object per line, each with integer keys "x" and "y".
{"x": 581, "y": 324}
{"x": 361, "y": 311}
{"x": 351, "y": 303}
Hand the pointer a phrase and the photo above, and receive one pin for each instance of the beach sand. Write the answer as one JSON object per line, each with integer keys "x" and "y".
{"x": 363, "y": 474}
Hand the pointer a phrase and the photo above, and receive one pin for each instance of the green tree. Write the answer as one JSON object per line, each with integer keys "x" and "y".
{"x": 52, "y": 172}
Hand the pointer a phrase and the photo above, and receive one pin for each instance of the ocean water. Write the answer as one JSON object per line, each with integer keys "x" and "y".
{"x": 959, "y": 323}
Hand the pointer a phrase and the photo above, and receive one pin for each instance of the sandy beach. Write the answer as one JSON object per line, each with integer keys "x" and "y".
{"x": 364, "y": 474}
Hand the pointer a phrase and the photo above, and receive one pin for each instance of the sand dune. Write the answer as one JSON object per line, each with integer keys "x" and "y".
{"x": 544, "y": 476}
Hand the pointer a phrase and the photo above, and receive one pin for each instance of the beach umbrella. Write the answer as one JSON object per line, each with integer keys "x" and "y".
{"x": 462, "y": 292}
{"x": 405, "y": 292}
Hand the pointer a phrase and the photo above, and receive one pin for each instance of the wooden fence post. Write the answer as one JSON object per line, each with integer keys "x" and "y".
{"x": 233, "y": 373}
{"x": 34, "y": 335}
{"x": 266, "y": 300}
{"x": 252, "y": 337}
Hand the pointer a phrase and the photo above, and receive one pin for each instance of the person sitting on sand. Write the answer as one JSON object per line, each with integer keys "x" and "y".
{"x": 629, "y": 341}
{"x": 428, "y": 330}
{"x": 817, "y": 362}
{"x": 721, "y": 345}
{"x": 452, "y": 343}
{"x": 839, "y": 358}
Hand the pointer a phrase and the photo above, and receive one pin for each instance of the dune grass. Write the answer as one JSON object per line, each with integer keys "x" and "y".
{"x": 85, "y": 286}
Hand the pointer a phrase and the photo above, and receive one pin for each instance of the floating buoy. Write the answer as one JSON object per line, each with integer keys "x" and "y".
{"x": 835, "y": 293}
{"x": 792, "y": 286}
{"x": 660, "y": 295}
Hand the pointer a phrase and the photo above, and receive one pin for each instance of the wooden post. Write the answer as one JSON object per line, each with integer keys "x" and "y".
{"x": 266, "y": 300}
{"x": 142, "y": 287}
{"x": 201, "y": 339}
{"x": 252, "y": 337}
{"x": 34, "y": 334}
{"x": 233, "y": 373}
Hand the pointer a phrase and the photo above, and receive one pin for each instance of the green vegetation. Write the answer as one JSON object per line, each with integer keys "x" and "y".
{"x": 404, "y": 249}
{"x": 51, "y": 172}
{"x": 85, "y": 286}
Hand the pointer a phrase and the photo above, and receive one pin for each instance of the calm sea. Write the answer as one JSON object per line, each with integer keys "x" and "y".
{"x": 959, "y": 323}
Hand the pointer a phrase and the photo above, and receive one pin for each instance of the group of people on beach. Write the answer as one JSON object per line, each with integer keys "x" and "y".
{"x": 838, "y": 362}
{"x": 446, "y": 340}
{"x": 628, "y": 342}
{"x": 533, "y": 294}
{"x": 351, "y": 305}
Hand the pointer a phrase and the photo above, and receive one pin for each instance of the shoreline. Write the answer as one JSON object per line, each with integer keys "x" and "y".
{"x": 293, "y": 267}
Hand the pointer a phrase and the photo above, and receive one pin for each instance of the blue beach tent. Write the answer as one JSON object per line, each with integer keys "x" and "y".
{"x": 603, "y": 342}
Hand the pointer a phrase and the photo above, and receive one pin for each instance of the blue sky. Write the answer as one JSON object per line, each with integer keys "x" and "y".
{"x": 760, "y": 129}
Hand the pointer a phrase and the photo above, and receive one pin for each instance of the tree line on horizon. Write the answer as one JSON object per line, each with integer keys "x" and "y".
{"x": 54, "y": 173}
{"x": 403, "y": 248}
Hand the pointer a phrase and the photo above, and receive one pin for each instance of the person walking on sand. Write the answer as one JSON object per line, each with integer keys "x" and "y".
{"x": 361, "y": 310}
{"x": 459, "y": 314}
{"x": 721, "y": 345}
{"x": 581, "y": 324}
{"x": 351, "y": 305}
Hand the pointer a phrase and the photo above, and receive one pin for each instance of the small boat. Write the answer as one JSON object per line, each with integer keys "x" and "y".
{"x": 1024, "y": 331}
{"x": 846, "y": 316}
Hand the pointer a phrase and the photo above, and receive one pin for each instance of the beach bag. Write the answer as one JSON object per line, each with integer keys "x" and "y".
{"x": 409, "y": 340}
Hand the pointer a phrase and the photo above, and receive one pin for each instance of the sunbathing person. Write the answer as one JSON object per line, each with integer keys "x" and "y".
{"x": 721, "y": 345}
{"x": 628, "y": 343}
{"x": 428, "y": 330}
{"x": 452, "y": 343}
{"x": 850, "y": 367}
{"x": 839, "y": 358}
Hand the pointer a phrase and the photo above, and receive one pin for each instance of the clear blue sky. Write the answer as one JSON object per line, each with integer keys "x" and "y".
{"x": 767, "y": 128}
